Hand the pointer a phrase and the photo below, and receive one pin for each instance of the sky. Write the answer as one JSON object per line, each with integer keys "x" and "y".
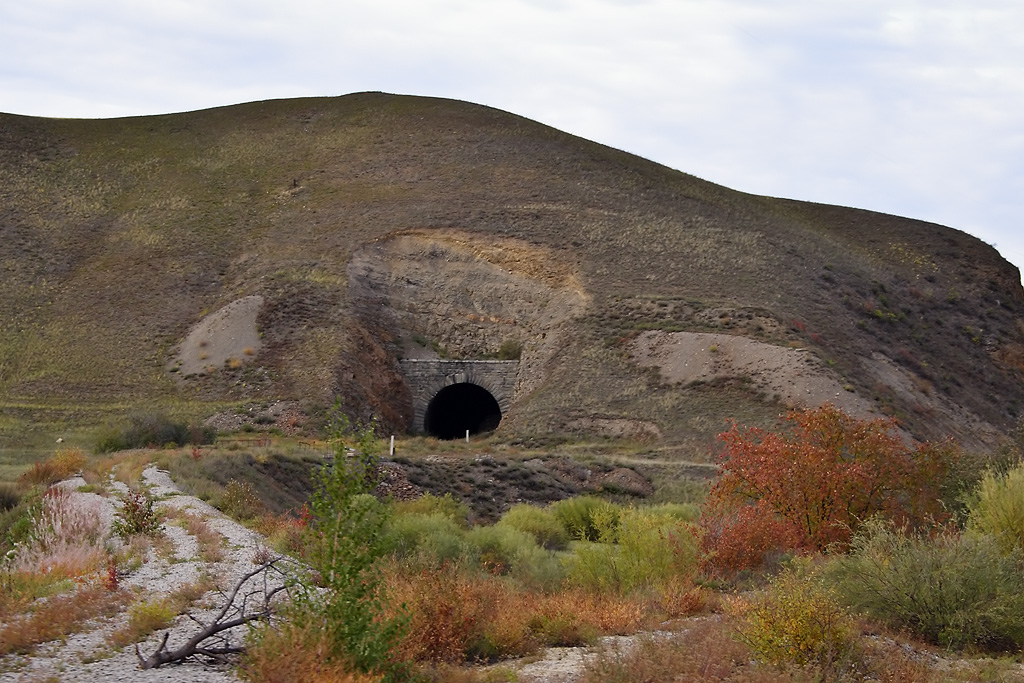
{"x": 910, "y": 107}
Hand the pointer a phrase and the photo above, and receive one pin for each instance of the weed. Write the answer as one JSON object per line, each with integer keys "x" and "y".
{"x": 136, "y": 516}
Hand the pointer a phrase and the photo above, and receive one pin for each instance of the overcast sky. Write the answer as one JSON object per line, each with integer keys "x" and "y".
{"x": 912, "y": 107}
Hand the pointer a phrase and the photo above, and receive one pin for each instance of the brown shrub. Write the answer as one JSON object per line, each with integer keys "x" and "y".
{"x": 61, "y": 465}
{"x": 458, "y": 616}
{"x": 286, "y": 654}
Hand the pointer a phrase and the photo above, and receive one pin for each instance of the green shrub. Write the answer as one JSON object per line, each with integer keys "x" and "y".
{"x": 538, "y": 569}
{"x": 344, "y": 600}
{"x": 10, "y": 497}
{"x": 143, "y": 619}
{"x": 500, "y": 547}
{"x": 152, "y": 430}
{"x": 952, "y": 590}
{"x": 645, "y": 550}
{"x": 510, "y": 349}
{"x": 586, "y": 518}
{"x": 997, "y": 507}
{"x": 542, "y": 524}
{"x": 798, "y": 620}
{"x": 425, "y": 540}
{"x": 429, "y": 504}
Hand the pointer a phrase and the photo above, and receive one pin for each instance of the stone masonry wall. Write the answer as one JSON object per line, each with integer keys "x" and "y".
{"x": 427, "y": 377}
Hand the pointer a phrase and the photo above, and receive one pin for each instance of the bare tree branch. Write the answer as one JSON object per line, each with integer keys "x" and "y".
{"x": 237, "y": 610}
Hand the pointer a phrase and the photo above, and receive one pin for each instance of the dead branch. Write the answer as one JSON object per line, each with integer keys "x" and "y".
{"x": 240, "y": 607}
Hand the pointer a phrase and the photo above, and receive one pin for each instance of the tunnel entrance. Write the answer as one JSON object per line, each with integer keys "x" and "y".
{"x": 459, "y": 407}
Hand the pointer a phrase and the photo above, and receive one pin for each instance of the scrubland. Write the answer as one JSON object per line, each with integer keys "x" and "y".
{"x": 829, "y": 549}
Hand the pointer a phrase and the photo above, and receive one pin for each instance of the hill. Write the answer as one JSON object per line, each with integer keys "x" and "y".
{"x": 295, "y": 250}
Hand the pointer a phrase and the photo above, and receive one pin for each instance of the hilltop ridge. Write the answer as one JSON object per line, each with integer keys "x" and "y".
{"x": 372, "y": 226}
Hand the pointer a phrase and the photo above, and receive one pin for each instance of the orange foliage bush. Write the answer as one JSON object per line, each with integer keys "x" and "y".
{"x": 820, "y": 481}
{"x": 61, "y": 465}
{"x": 286, "y": 654}
{"x": 744, "y": 537}
{"x": 458, "y": 616}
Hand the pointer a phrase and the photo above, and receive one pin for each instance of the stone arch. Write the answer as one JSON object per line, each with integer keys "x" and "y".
{"x": 430, "y": 378}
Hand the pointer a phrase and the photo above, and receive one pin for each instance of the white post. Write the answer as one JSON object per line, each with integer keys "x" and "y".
{"x": 392, "y": 445}
{"x": 467, "y": 436}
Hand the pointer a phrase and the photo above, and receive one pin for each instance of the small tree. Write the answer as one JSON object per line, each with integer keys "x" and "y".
{"x": 830, "y": 473}
{"x": 344, "y": 603}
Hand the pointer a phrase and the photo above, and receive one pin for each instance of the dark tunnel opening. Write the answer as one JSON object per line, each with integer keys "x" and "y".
{"x": 459, "y": 407}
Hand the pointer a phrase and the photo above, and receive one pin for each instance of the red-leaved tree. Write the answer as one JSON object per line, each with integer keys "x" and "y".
{"x": 812, "y": 485}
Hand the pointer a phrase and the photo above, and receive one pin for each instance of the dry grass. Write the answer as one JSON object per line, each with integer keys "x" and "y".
{"x": 286, "y": 654}
{"x": 65, "y": 541}
{"x": 152, "y": 615}
{"x": 705, "y": 652}
{"x": 61, "y": 465}
{"x": 708, "y": 651}
{"x": 211, "y": 541}
{"x": 58, "y": 617}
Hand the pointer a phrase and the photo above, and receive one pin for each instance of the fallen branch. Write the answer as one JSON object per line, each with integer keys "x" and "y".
{"x": 238, "y": 610}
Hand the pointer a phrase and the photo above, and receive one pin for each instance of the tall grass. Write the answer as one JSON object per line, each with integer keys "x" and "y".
{"x": 462, "y": 615}
{"x": 65, "y": 538}
{"x": 62, "y": 464}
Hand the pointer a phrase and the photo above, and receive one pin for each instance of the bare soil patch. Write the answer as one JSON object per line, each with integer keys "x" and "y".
{"x": 794, "y": 377}
{"x": 225, "y": 337}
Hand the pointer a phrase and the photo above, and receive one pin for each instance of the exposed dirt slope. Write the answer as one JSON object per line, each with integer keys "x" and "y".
{"x": 120, "y": 236}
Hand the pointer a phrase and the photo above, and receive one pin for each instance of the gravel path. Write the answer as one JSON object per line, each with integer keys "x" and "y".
{"x": 86, "y": 656}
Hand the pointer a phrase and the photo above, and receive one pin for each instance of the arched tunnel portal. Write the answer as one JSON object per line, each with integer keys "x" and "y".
{"x": 450, "y": 397}
{"x": 461, "y": 408}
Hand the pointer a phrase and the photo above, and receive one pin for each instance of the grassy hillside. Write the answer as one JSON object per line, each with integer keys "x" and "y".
{"x": 119, "y": 235}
